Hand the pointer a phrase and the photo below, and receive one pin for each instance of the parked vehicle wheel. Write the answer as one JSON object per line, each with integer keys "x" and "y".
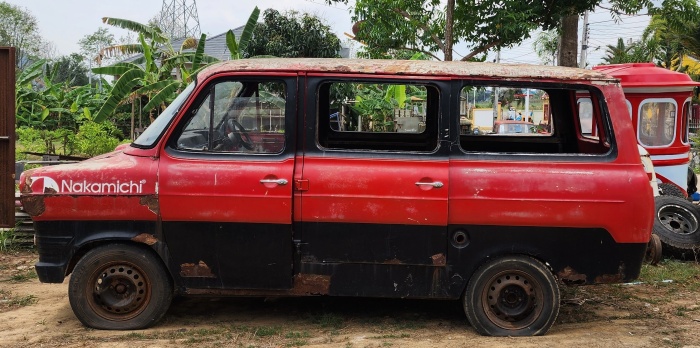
{"x": 119, "y": 287}
{"x": 677, "y": 222}
{"x": 512, "y": 296}
{"x": 654, "y": 250}
{"x": 668, "y": 189}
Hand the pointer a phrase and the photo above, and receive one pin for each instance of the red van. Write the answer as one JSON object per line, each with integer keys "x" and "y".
{"x": 304, "y": 177}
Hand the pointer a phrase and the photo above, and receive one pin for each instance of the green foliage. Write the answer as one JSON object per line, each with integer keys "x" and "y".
{"x": 152, "y": 80}
{"x": 44, "y": 104}
{"x": 96, "y": 138}
{"x": 69, "y": 69}
{"x": 19, "y": 29}
{"x": 92, "y": 44}
{"x": 237, "y": 48}
{"x": 292, "y": 35}
{"x": 7, "y": 236}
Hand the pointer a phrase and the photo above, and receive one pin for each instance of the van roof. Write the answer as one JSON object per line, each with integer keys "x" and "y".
{"x": 407, "y": 67}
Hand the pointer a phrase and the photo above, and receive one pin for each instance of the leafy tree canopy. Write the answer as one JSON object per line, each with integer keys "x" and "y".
{"x": 433, "y": 26}
{"x": 20, "y": 29}
{"x": 69, "y": 69}
{"x": 292, "y": 34}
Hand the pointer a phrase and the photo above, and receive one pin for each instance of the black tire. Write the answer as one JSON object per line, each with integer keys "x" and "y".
{"x": 668, "y": 189}
{"x": 654, "y": 251}
{"x": 120, "y": 287}
{"x": 677, "y": 222}
{"x": 512, "y": 296}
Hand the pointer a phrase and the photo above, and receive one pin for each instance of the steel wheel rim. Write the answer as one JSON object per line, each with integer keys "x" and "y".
{"x": 512, "y": 300}
{"x": 677, "y": 219}
{"x": 118, "y": 291}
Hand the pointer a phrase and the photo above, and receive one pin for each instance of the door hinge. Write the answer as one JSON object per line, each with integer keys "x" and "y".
{"x": 301, "y": 184}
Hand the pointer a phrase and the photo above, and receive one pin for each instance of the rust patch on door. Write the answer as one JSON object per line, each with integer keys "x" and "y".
{"x": 199, "y": 270}
{"x": 150, "y": 201}
{"x": 438, "y": 259}
{"x": 145, "y": 238}
{"x": 311, "y": 284}
{"x": 569, "y": 276}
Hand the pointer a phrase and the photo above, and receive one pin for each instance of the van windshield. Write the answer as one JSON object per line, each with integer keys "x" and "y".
{"x": 149, "y": 137}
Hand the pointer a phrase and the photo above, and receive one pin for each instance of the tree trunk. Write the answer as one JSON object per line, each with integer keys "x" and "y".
{"x": 448, "y": 29}
{"x": 568, "y": 51}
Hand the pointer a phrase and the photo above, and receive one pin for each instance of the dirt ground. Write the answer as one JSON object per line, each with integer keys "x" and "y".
{"x": 641, "y": 315}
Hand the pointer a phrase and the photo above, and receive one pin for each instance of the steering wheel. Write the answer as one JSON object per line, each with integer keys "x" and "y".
{"x": 237, "y": 134}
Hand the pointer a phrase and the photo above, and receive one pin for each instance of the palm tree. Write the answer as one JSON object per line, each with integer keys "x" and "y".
{"x": 617, "y": 54}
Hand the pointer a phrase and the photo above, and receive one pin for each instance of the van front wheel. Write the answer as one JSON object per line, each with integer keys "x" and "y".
{"x": 512, "y": 296}
{"x": 119, "y": 287}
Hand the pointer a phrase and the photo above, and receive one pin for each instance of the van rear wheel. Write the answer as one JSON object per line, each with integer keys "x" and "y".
{"x": 119, "y": 287}
{"x": 512, "y": 296}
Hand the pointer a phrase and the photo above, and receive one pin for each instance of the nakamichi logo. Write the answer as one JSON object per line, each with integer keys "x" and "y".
{"x": 84, "y": 186}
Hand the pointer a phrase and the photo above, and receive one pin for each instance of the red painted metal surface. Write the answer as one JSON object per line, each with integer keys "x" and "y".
{"x": 375, "y": 191}
{"x": 114, "y": 186}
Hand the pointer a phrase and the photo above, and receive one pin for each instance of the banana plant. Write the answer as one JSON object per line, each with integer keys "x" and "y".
{"x": 152, "y": 77}
{"x": 237, "y": 48}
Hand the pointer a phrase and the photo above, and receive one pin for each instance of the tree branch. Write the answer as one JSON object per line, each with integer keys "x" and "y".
{"x": 480, "y": 50}
{"x": 395, "y": 48}
{"x": 435, "y": 38}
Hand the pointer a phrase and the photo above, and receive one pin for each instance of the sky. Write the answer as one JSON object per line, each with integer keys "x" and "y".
{"x": 65, "y": 22}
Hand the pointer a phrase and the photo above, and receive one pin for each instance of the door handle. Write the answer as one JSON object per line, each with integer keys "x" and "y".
{"x": 436, "y": 184}
{"x": 274, "y": 181}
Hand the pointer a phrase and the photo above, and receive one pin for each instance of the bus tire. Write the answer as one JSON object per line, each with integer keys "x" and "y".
{"x": 512, "y": 296}
{"x": 119, "y": 287}
{"x": 677, "y": 223}
{"x": 668, "y": 189}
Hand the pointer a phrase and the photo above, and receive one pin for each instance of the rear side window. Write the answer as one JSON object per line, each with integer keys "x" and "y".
{"x": 385, "y": 116}
{"x": 532, "y": 119}
{"x": 657, "y": 122}
{"x": 236, "y": 117}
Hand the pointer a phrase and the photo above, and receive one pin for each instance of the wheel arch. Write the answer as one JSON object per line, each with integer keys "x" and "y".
{"x": 144, "y": 241}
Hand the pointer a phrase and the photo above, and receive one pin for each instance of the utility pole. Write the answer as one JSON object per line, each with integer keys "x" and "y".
{"x": 495, "y": 94}
{"x": 584, "y": 42}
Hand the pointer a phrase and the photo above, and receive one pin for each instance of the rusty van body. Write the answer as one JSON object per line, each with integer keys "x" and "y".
{"x": 296, "y": 177}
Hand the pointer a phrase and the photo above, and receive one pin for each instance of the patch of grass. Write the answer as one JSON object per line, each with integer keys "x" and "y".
{"x": 296, "y": 334}
{"x": 23, "y": 277}
{"x": 267, "y": 331}
{"x": 328, "y": 321}
{"x": 677, "y": 271}
{"x": 7, "y": 236}
{"x": 23, "y": 301}
{"x": 134, "y": 336}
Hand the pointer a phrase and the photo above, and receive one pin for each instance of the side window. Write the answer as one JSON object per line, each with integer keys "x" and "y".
{"x": 657, "y": 122}
{"x": 237, "y": 117}
{"x": 685, "y": 125}
{"x": 532, "y": 120}
{"x": 370, "y": 115}
{"x": 585, "y": 115}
